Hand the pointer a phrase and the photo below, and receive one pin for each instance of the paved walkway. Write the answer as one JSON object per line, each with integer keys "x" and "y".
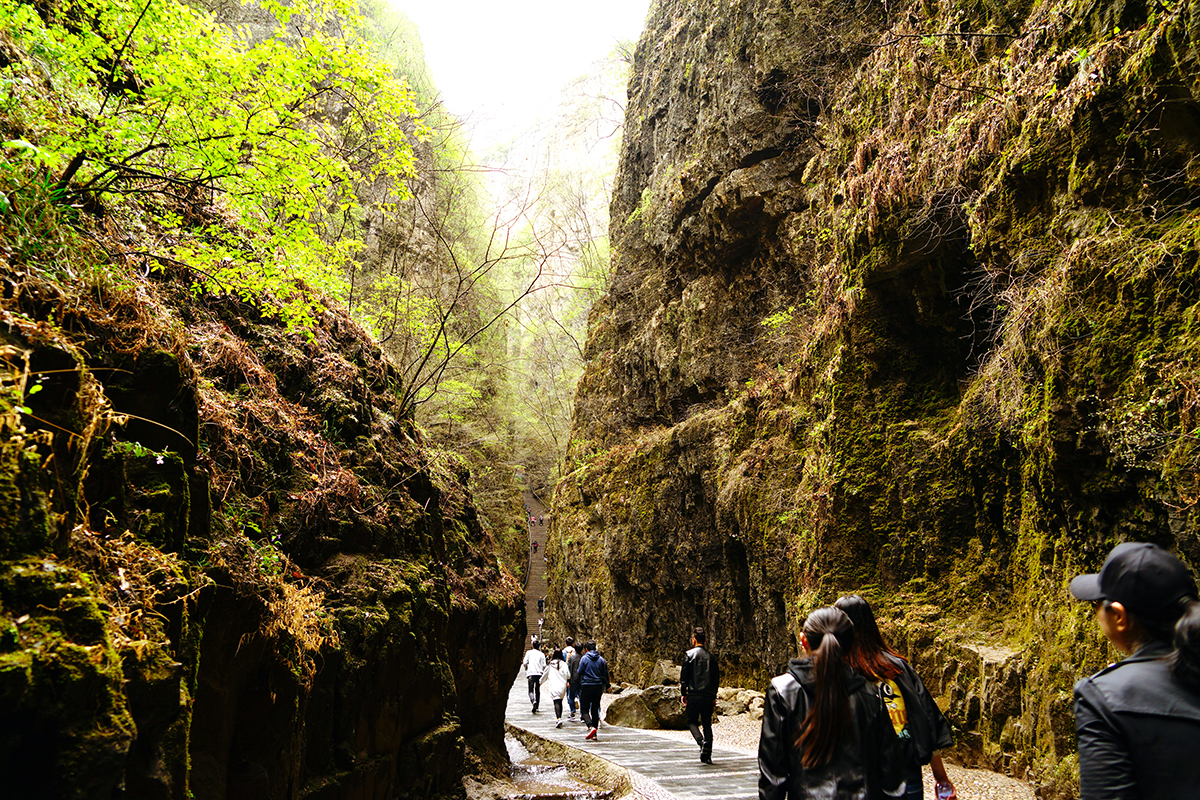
{"x": 671, "y": 765}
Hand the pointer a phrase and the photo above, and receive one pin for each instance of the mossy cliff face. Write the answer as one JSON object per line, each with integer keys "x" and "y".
{"x": 226, "y": 571}
{"x": 903, "y": 303}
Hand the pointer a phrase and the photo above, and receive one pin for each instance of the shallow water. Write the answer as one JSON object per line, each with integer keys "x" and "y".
{"x": 537, "y": 779}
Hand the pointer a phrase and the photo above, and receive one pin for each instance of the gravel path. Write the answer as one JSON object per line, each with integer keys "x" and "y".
{"x": 741, "y": 732}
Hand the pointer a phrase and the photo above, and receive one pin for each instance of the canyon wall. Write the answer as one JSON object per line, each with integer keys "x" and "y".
{"x": 226, "y": 569}
{"x": 903, "y": 303}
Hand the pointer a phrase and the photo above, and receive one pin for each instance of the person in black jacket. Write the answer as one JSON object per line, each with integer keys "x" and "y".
{"x": 920, "y": 725}
{"x": 825, "y": 731}
{"x": 1137, "y": 722}
{"x": 699, "y": 678}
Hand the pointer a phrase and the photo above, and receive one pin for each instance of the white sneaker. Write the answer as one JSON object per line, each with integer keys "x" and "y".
{"x": 558, "y": 724}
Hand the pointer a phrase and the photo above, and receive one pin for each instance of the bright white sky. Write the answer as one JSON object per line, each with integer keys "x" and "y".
{"x": 499, "y": 63}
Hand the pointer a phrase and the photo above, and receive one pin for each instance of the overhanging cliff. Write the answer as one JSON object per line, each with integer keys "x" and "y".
{"x": 903, "y": 303}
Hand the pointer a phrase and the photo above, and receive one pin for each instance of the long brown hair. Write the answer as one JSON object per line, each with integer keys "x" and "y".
{"x": 869, "y": 655}
{"x": 830, "y": 634}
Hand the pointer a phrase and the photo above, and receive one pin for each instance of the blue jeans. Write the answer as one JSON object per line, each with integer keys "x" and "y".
{"x": 572, "y": 698}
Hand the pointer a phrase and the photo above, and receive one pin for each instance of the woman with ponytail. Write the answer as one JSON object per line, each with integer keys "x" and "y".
{"x": 1137, "y": 721}
{"x": 826, "y": 733}
{"x": 918, "y": 722}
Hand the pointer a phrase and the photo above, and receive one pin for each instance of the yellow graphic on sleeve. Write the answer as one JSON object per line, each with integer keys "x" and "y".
{"x": 895, "y": 706}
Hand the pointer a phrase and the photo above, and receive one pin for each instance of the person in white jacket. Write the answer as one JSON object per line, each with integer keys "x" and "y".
{"x": 534, "y": 665}
{"x": 555, "y": 677}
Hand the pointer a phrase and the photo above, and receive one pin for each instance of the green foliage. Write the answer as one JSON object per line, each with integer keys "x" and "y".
{"x": 779, "y": 319}
{"x": 157, "y": 100}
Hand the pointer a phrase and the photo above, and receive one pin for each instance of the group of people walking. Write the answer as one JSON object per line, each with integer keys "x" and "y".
{"x": 577, "y": 674}
{"x": 826, "y": 731}
{"x": 851, "y": 720}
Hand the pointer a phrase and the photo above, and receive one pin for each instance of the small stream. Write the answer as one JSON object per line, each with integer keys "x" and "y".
{"x": 537, "y": 779}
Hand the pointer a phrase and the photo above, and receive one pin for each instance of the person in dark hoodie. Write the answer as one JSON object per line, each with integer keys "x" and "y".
{"x": 593, "y": 681}
{"x": 825, "y": 730}
{"x": 1137, "y": 721}
{"x": 918, "y": 722}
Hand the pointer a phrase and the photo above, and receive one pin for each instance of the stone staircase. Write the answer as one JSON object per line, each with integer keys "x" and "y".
{"x": 536, "y": 586}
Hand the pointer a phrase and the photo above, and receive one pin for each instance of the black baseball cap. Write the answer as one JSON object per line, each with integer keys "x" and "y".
{"x": 1143, "y": 577}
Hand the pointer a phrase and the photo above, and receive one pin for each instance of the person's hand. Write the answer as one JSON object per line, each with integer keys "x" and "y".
{"x": 940, "y": 778}
{"x": 683, "y": 699}
{"x": 940, "y": 786}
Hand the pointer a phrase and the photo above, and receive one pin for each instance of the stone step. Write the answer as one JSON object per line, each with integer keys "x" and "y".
{"x": 536, "y": 586}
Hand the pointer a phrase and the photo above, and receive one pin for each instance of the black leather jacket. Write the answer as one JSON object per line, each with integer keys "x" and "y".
{"x": 928, "y": 730}
{"x": 573, "y": 666}
{"x": 869, "y": 764}
{"x": 700, "y": 673}
{"x": 1137, "y": 729}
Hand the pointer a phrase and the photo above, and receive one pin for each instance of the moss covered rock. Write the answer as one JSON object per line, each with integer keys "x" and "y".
{"x": 902, "y": 305}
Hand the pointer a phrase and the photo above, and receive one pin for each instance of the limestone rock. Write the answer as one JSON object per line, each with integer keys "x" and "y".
{"x": 664, "y": 703}
{"x": 730, "y": 707}
{"x": 665, "y": 674}
{"x": 630, "y": 711}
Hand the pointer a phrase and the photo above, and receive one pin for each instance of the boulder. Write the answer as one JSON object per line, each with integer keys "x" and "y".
{"x": 629, "y": 711}
{"x": 664, "y": 673}
{"x": 727, "y": 692}
{"x": 731, "y": 707}
{"x": 663, "y": 702}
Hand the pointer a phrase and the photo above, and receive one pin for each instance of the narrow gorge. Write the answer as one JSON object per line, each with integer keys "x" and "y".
{"x": 903, "y": 303}
{"x": 896, "y": 299}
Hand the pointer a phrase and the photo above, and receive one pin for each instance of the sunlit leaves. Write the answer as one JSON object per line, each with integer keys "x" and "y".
{"x": 155, "y": 98}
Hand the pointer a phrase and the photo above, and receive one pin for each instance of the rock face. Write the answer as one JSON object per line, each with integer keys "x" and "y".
{"x": 226, "y": 571}
{"x": 901, "y": 304}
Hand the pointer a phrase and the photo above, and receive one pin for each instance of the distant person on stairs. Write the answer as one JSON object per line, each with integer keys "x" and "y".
{"x": 534, "y": 665}
{"x": 699, "y": 678}
{"x": 1137, "y": 722}
{"x": 555, "y": 679}
{"x": 593, "y": 680}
